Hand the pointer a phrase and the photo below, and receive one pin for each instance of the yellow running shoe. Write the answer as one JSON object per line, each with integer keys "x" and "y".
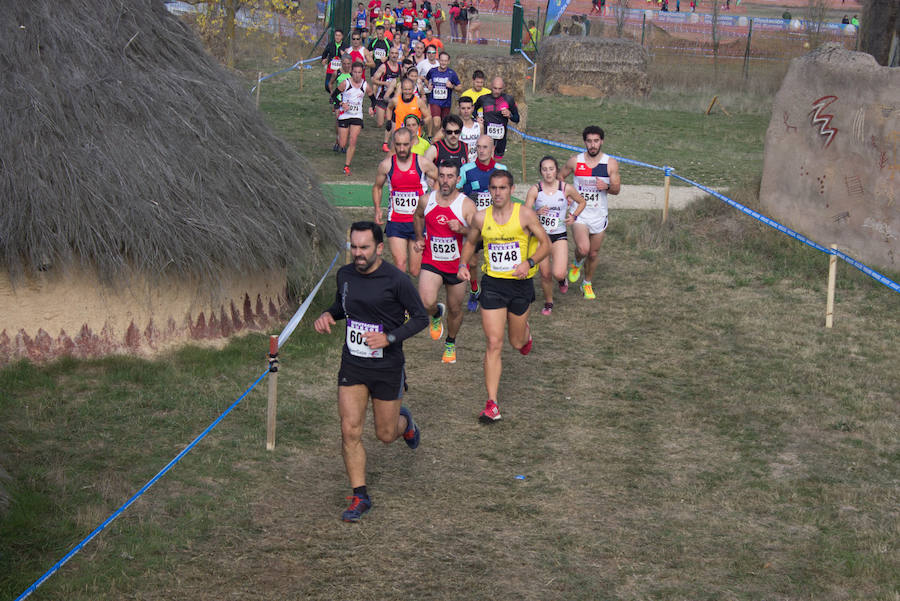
{"x": 449, "y": 352}
{"x": 437, "y": 327}
{"x": 574, "y": 272}
{"x": 588, "y": 290}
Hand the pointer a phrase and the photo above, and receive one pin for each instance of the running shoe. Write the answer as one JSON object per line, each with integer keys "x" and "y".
{"x": 490, "y": 414}
{"x": 548, "y": 309}
{"x": 411, "y": 435}
{"x": 336, "y": 148}
{"x": 358, "y": 506}
{"x": 472, "y": 304}
{"x": 437, "y": 326}
{"x": 563, "y": 286}
{"x": 588, "y": 290}
{"x": 574, "y": 272}
{"x": 347, "y": 170}
{"x": 528, "y": 345}
{"x": 385, "y": 147}
{"x": 449, "y": 352}
{"x": 344, "y": 150}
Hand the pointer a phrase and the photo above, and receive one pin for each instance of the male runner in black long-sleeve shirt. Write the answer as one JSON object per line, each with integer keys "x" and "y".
{"x": 374, "y": 297}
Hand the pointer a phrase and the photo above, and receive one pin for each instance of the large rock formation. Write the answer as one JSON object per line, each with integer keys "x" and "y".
{"x": 590, "y": 66}
{"x": 832, "y": 158}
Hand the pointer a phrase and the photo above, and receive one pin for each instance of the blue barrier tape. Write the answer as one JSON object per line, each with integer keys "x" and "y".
{"x": 143, "y": 489}
{"x": 878, "y": 277}
{"x": 580, "y": 149}
{"x": 292, "y": 324}
{"x": 285, "y": 333}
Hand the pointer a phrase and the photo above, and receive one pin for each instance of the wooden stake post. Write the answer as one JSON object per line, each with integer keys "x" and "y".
{"x": 534, "y": 79}
{"x": 272, "y": 408}
{"x": 524, "y": 179}
{"x": 300, "y": 68}
{"x": 832, "y": 276}
{"x": 258, "y": 86}
{"x": 668, "y": 178}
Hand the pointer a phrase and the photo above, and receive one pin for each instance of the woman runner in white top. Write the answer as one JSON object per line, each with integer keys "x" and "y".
{"x": 551, "y": 198}
{"x": 350, "y": 112}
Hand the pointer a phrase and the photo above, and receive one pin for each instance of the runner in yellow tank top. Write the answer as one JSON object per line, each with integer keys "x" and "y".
{"x": 514, "y": 244}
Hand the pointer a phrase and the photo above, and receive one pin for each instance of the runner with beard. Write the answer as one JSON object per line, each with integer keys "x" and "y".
{"x": 514, "y": 243}
{"x": 383, "y": 76}
{"x": 474, "y": 181}
{"x": 375, "y": 299}
{"x": 596, "y": 174}
{"x": 403, "y": 171}
{"x": 441, "y": 220}
{"x": 449, "y": 148}
{"x": 498, "y": 109}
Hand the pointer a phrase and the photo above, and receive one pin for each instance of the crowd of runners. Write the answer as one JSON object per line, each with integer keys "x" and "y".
{"x": 449, "y": 208}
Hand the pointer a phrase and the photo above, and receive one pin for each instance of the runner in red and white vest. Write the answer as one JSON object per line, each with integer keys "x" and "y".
{"x": 553, "y": 202}
{"x": 404, "y": 172}
{"x": 596, "y": 175}
{"x": 441, "y": 220}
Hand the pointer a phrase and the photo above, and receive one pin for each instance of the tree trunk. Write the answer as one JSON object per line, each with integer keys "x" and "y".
{"x": 880, "y": 21}
{"x": 229, "y": 33}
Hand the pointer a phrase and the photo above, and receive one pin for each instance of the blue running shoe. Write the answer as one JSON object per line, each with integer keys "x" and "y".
{"x": 472, "y": 304}
{"x": 411, "y": 436}
{"x": 358, "y": 506}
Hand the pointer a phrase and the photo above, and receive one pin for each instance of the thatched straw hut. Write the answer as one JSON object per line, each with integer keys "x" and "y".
{"x": 144, "y": 200}
{"x": 589, "y": 66}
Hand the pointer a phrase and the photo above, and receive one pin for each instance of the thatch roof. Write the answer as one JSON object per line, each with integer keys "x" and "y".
{"x": 127, "y": 147}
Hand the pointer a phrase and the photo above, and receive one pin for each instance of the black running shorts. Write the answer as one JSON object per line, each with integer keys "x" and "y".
{"x": 451, "y": 279}
{"x": 500, "y": 293}
{"x": 385, "y": 384}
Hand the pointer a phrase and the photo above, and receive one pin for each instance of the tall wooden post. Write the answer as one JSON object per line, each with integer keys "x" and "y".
{"x": 347, "y": 256}
{"x": 272, "y": 407}
{"x": 258, "y": 86}
{"x": 534, "y": 78}
{"x": 300, "y": 68}
{"x": 832, "y": 276}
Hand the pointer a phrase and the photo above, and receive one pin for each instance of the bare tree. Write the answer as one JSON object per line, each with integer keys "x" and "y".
{"x": 621, "y": 12}
{"x": 815, "y": 21}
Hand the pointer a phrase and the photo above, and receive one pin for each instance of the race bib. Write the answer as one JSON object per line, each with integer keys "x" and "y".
{"x": 335, "y": 64}
{"x": 550, "y": 221}
{"x": 360, "y": 23}
{"x": 354, "y": 109}
{"x": 444, "y": 249}
{"x": 356, "y": 339}
{"x": 591, "y": 198}
{"x": 483, "y": 200}
{"x": 496, "y": 130}
{"x": 439, "y": 93}
{"x": 404, "y": 202}
{"x": 408, "y": 19}
{"x": 380, "y": 54}
{"x": 504, "y": 256}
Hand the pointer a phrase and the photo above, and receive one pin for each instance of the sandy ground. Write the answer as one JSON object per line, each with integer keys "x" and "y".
{"x": 643, "y": 197}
